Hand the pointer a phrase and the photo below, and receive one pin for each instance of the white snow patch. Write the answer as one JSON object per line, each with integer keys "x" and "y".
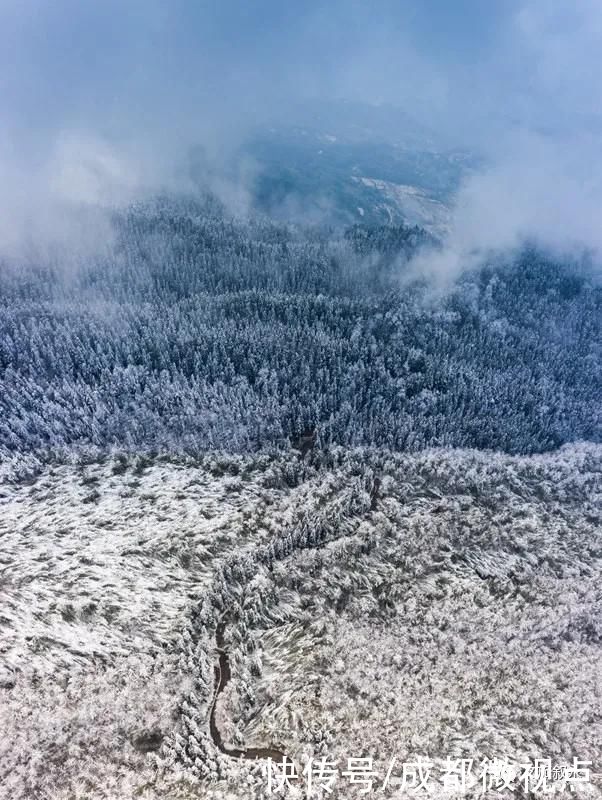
{"x": 414, "y": 204}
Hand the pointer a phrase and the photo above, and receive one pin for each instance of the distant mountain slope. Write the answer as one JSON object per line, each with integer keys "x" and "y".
{"x": 321, "y": 176}
{"x": 341, "y": 163}
{"x": 412, "y": 204}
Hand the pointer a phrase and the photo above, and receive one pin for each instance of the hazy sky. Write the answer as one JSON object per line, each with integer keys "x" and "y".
{"x": 123, "y": 65}
{"x": 98, "y": 98}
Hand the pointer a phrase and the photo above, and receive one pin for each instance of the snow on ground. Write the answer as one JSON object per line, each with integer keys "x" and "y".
{"x": 416, "y": 206}
{"x": 98, "y": 563}
{"x": 454, "y": 610}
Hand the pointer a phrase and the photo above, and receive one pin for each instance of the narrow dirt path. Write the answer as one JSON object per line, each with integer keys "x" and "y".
{"x": 222, "y": 676}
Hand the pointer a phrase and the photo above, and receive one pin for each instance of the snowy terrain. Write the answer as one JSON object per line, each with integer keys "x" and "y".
{"x": 443, "y": 604}
{"x": 414, "y": 204}
{"x": 341, "y": 164}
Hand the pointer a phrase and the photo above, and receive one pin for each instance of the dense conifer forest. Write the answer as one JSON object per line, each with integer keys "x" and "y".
{"x": 195, "y": 331}
{"x": 300, "y": 400}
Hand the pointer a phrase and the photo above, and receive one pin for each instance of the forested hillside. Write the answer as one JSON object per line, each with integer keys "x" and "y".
{"x": 443, "y": 603}
{"x": 195, "y": 331}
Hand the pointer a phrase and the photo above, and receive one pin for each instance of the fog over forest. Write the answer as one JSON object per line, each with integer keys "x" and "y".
{"x": 102, "y": 105}
{"x": 300, "y": 399}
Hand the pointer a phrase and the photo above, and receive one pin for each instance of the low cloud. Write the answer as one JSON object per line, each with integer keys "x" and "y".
{"x": 62, "y": 202}
{"x": 102, "y": 104}
{"x": 541, "y": 191}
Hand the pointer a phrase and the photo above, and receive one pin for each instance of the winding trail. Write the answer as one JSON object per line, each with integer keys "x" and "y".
{"x": 222, "y": 676}
{"x": 222, "y": 668}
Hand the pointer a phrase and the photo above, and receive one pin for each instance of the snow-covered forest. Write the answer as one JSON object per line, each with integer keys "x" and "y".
{"x": 191, "y": 330}
{"x": 441, "y": 604}
{"x": 251, "y": 449}
{"x": 300, "y": 400}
